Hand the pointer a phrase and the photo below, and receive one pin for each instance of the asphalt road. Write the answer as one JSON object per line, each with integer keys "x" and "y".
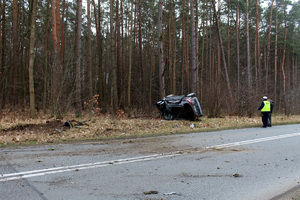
{"x": 246, "y": 164}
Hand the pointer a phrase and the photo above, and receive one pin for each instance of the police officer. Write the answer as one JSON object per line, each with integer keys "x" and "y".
{"x": 265, "y": 108}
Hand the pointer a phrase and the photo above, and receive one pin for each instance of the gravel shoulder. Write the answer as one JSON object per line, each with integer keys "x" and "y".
{"x": 292, "y": 194}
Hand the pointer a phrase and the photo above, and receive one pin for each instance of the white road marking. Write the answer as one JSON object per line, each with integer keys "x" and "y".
{"x": 254, "y": 141}
{"x": 43, "y": 172}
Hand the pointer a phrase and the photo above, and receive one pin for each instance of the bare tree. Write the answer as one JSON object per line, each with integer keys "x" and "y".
{"x": 140, "y": 49}
{"x": 237, "y": 47}
{"x": 222, "y": 52}
{"x": 2, "y": 53}
{"x": 15, "y": 50}
{"x": 97, "y": 16}
{"x": 89, "y": 56}
{"x": 276, "y": 55}
{"x": 118, "y": 53}
{"x": 162, "y": 91}
{"x": 193, "y": 48}
{"x": 140, "y": 46}
{"x": 78, "y": 111}
{"x": 248, "y": 47}
{"x": 183, "y": 54}
{"x": 31, "y": 60}
{"x": 283, "y": 63}
{"x": 62, "y": 36}
{"x": 169, "y": 59}
{"x": 228, "y": 38}
{"x": 114, "y": 89}
{"x": 46, "y": 58}
{"x": 268, "y": 47}
{"x": 258, "y": 45}
{"x": 130, "y": 55}
{"x": 56, "y": 80}
{"x": 174, "y": 50}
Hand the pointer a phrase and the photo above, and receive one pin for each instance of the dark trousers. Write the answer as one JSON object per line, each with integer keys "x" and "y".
{"x": 264, "y": 118}
{"x": 270, "y": 119}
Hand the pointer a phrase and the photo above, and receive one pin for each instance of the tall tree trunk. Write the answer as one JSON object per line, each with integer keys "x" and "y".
{"x": 193, "y": 48}
{"x": 208, "y": 47}
{"x": 114, "y": 89}
{"x": 174, "y": 51}
{"x": 58, "y": 25}
{"x": 62, "y": 35}
{"x": 186, "y": 56}
{"x": 3, "y": 53}
{"x": 183, "y": 47}
{"x": 268, "y": 48}
{"x": 282, "y": 65}
{"x": 248, "y": 49}
{"x": 276, "y": 56}
{"x": 238, "y": 48}
{"x": 118, "y": 55}
{"x": 54, "y": 85}
{"x": 222, "y": 52}
{"x": 59, "y": 58}
{"x": 31, "y": 60}
{"x": 228, "y": 40}
{"x": 78, "y": 111}
{"x": 57, "y": 78}
{"x": 15, "y": 51}
{"x": 162, "y": 91}
{"x": 218, "y": 74}
{"x": 123, "y": 56}
{"x": 258, "y": 47}
{"x": 89, "y": 56}
{"x": 54, "y": 26}
{"x": 204, "y": 32}
{"x": 23, "y": 53}
{"x": 1, "y": 49}
{"x": 45, "y": 64}
{"x": 197, "y": 31}
{"x": 169, "y": 60}
{"x": 130, "y": 56}
{"x": 102, "y": 92}
{"x": 153, "y": 52}
{"x": 99, "y": 48}
{"x": 140, "y": 48}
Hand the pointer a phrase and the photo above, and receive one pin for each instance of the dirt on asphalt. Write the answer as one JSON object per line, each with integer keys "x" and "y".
{"x": 50, "y": 127}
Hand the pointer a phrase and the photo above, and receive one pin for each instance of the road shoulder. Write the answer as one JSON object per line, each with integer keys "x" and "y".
{"x": 292, "y": 194}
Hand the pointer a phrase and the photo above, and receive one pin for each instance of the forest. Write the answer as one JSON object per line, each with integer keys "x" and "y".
{"x": 103, "y": 56}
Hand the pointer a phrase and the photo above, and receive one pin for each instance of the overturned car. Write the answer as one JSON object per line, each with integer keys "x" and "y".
{"x": 180, "y": 107}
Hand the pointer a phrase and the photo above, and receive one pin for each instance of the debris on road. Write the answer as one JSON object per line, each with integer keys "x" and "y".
{"x": 151, "y": 192}
{"x": 173, "y": 193}
{"x": 237, "y": 175}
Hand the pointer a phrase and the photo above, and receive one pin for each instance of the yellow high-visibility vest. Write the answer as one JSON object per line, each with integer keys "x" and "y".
{"x": 267, "y": 107}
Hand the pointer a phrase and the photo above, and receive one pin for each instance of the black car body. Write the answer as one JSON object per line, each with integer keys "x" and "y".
{"x": 180, "y": 107}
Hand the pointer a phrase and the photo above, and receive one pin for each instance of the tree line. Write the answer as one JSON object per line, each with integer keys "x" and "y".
{"x": 106, "y": 55}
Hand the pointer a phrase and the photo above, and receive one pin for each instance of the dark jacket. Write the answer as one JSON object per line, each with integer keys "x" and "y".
{"x": 272, "y": 105}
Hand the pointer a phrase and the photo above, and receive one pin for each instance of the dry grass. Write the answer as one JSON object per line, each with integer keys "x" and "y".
{"x": 16, "y": 129}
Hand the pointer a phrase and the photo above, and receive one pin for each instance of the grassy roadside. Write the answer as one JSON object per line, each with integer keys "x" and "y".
{"x": 20, "y": 130}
